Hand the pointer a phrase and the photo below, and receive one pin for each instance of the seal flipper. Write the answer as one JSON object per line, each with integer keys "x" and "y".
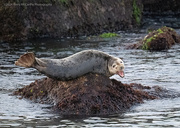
{"x": 27, "y": 60}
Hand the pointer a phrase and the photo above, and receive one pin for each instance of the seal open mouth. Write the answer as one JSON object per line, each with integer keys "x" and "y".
{"x": 121, "y": 73}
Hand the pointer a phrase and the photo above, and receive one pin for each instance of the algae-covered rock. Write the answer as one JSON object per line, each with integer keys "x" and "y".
{"x": 86, "y": 95}
{"x": 161, "y": 39}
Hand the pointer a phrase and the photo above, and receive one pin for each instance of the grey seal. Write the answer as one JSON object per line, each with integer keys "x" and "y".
{"x": 76, "y": 65}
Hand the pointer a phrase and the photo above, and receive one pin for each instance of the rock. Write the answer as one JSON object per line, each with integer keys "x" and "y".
{"x": 161, "y": 7}
{"x": 66, "y": 18}
{"x": 87, "y": 95}
{"x": 161, "y": 39}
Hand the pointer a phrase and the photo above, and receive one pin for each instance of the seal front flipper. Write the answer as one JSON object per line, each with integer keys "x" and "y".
{"x": 27, "y": 60}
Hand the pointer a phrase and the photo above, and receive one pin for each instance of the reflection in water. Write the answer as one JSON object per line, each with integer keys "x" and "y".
{"x": 147, "y": 68}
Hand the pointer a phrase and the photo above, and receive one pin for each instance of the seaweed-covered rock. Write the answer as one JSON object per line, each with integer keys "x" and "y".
{"x": 86, "y": 95}
{"x": 161, "y": 39}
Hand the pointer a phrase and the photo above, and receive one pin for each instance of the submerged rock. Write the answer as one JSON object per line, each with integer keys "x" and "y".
{"x": 157, "y": 40}
{"x": 88, "y": 95}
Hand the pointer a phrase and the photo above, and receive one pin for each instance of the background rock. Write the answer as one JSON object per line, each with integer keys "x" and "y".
{"x": 161, "y": 7}
{"x": 38, "y": 18}
{"x": 157, "y": 40}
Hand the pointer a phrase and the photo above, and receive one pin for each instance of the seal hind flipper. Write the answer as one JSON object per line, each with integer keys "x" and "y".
{"x": 40, "y": 62}
{"x": 27, "y": 60}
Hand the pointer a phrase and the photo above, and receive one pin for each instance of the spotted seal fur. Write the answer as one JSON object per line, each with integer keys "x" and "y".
{"x": 87, "y": 61}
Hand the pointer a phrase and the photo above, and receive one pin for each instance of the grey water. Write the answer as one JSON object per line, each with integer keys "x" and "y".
{"x": 144, "y": 67}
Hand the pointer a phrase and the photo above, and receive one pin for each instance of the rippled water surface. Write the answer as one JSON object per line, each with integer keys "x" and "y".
{"x": 147, "y": 68}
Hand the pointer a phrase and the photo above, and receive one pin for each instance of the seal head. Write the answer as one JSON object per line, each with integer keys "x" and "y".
{"x": 116, "y": 66}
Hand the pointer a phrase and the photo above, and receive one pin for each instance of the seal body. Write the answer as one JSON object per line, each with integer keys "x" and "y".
{"x": 87, "y": 61}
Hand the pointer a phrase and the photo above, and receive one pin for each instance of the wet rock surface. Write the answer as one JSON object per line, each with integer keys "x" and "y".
{"x": 91, "y": 94}
{"x": 157, "y": 40}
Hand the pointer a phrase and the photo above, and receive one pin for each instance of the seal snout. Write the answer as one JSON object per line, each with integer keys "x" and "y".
{"x": 120, "y": 66}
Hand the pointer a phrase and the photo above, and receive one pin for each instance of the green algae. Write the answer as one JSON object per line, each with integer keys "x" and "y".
{"x": 108, "y": 35}
{"x": 136, "y": 12}
{"x": 146, "y": 41}
{"x": 160, "y": 31}
{"x": 64, "y": 2}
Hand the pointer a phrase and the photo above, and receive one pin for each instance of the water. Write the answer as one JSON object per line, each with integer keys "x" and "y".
{"x": 147, "y": 68}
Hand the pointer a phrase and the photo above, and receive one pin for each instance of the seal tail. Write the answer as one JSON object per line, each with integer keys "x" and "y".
{"x": 27, "y": 60}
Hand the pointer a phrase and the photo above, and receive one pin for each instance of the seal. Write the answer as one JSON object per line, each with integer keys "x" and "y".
{"x": 76, "y": 65}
